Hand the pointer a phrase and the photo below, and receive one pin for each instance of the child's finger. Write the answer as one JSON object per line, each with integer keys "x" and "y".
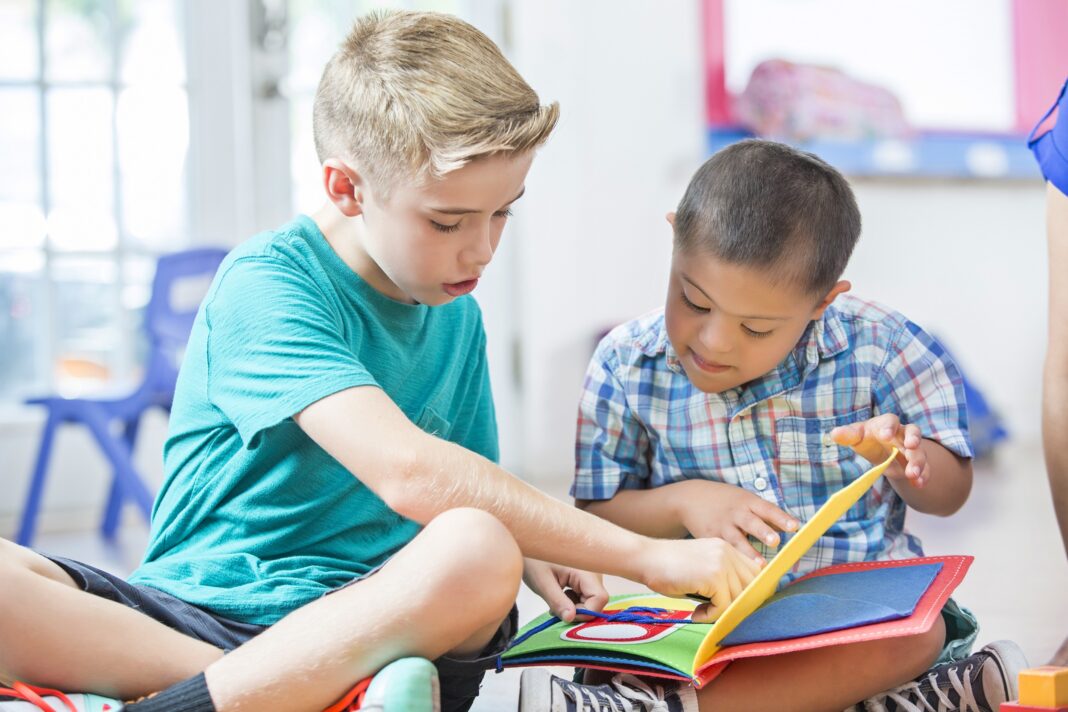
{"x": 887, "y": 429}
{"x": 913, "y": 437}
{"x": 740, "y": 542}
{"x": 848, "y": 435}
{"x": 757, "y": 528}
{"x": 593, "y": 594}
{"x": 746, "y": 567}
{"x": 917, "y": 467}
{"x": 734, "y": 582}
{"x": 719, "y": 598}
{"x": 775, "y": 516}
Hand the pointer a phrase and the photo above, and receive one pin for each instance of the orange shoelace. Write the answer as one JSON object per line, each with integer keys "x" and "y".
{"x": 33, "y": 695}
{"x": 353, "y": 700}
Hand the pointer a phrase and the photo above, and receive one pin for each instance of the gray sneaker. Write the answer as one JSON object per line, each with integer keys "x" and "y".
{"x": 541, "y": 691}
{"x": 978, "y": 683}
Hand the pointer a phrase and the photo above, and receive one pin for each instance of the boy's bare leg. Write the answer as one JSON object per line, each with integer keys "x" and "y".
{"x": 446, "y": 592}
{"x": 831, "y": 678}
{"x": 55, "y": 635}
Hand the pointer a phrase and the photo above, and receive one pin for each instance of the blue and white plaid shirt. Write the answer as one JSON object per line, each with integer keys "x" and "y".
{"x": 643, "y": 424}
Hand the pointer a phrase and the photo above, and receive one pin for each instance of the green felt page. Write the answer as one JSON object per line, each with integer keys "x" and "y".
{"x": 674, "y": 647}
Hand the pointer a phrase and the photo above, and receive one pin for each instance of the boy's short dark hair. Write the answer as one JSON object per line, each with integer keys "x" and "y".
{"x": 763, "y": 204}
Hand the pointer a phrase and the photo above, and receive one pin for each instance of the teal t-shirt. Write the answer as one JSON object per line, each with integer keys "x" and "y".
{"x": 254, "y": 519}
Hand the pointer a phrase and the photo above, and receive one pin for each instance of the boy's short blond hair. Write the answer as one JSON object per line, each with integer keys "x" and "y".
{"x": 416, "y": 94}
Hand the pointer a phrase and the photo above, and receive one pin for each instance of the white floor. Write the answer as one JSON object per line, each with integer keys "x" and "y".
{"x": 1018, "y": 585}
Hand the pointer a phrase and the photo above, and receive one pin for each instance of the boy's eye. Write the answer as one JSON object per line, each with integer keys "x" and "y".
{"x": 506, "y": 213}
{"x": 754, "y": 333}
{"x": 445, "y": 228}
{"x": 691, "y": 305}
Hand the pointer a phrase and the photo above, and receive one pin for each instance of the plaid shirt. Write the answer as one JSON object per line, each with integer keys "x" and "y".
{"x": 643, "y": 424}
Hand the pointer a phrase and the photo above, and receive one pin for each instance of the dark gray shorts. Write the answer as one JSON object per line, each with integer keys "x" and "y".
{"x": 460, "y": 678}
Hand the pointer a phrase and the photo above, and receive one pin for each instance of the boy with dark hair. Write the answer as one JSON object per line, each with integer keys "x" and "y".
{"x": 760, "y": 389}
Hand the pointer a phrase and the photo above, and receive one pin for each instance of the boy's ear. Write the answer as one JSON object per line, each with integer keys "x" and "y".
{"x": 671, "y": 218}
{"x": 344, "y": 186}
{"x": 841, "y": 287}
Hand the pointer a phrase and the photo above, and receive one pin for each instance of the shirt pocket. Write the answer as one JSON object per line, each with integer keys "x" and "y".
{"x": 801, "y": 440}
{"x": 812, "y": 468}
{"x": 433, "y": 424}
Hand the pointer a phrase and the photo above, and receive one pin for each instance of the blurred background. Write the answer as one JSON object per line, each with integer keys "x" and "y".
{"x": 133, "y": 128}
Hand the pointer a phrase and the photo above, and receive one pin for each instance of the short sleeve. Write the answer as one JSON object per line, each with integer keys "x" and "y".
{"x": 275, "y": 345}
{"x": 920, "y": 382}
{"x": 611, "y": 443}
{"x": 476, "y": 419}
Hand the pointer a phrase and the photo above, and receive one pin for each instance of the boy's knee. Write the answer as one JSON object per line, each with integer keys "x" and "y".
{"x": 14, "y": 557}
{"x": 18, "y": 559}
{"x": 480, "y": 553}
{"x": 478, "y": 537}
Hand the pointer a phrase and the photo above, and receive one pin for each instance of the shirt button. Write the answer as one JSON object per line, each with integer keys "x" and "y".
{"x": 760, "y": 483}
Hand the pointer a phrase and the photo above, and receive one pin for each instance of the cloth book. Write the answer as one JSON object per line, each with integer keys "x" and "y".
{"x": 839, "y": 604}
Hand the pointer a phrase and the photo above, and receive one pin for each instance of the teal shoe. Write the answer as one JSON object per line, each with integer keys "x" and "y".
{"x": 26, "y": 698}
{"x": 405, "y": 685}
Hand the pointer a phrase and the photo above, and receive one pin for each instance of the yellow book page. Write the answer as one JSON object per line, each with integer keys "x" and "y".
{"x": 763, "y": 586}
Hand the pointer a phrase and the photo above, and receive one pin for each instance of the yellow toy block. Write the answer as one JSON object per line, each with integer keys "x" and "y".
{"x": 1045, "y": 686}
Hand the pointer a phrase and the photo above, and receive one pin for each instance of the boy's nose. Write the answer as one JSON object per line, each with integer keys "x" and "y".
{"x": 714, "y": 335}
{"x": 480, "y": 252}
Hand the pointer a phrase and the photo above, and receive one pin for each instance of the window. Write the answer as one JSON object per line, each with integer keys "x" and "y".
{"x": 94, "y": 130}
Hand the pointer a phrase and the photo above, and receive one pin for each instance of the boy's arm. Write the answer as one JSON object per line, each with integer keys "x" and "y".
{"x": 699, "y": 508}
{"x": 650, "y": 512}
{"x": 421, "y": 476}
{"x": 918, "y": 394}
{"x": 1055, "y": 375}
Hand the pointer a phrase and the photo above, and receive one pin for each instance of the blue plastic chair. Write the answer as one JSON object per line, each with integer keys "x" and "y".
{"x": 166, "y": 325}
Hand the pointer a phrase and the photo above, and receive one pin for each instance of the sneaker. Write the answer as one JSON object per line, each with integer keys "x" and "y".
{"x": 978, "y": 683}
{"x": 27, "y": 698}
{"x": 541, "y": 691}
{"x": 1051, "y": 148}
{"x": 405, "y": 685}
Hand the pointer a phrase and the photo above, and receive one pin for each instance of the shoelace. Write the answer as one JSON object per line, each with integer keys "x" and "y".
{"x": 632, "y": 694}
{"x": 635, "y": 688}
{"x": 353, "y": 700}
{"x": 633, "y": 614}
{"x": 35, "y": 696}
{"x": 907, "y": 695}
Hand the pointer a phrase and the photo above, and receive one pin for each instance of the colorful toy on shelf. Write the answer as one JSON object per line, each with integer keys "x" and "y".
{"x": 1042, "y": 689}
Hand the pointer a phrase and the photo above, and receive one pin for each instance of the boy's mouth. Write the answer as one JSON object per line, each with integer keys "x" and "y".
{"x": 707, "y": 366}
{"x": 458, "y": 289}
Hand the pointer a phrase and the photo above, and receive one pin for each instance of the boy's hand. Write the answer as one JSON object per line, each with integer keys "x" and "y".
{"x": 875, "y": 438}
{"x": 716, "y": 509}
{"x": 562, "y": 588}
{"x": 708, "y": 567}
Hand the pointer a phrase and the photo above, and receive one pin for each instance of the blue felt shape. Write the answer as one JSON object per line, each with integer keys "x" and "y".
{"x": 837, "y": 601}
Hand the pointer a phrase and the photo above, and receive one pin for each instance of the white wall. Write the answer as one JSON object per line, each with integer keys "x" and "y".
{"x": 966, "y": 261}
{"x": 592, "y": 240}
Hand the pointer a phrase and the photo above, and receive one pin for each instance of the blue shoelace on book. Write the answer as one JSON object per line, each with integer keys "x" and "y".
{"x": 635, "y": 614}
